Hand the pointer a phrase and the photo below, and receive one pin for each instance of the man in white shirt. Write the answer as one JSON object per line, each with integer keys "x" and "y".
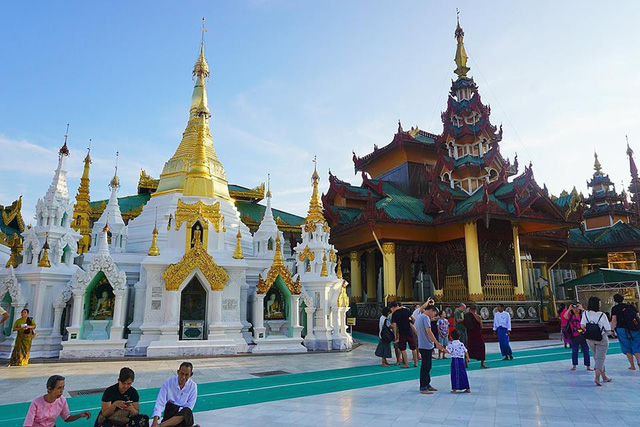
{"x": 502, "y": 328}
{"x": 176, "y": 398}
{"x": 3, "y": 315}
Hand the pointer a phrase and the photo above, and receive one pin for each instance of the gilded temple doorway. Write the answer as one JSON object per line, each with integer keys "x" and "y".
{"x": 193, "y": 311}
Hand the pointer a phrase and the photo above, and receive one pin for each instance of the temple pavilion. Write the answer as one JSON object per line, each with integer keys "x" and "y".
{"x": 446, "y": 214}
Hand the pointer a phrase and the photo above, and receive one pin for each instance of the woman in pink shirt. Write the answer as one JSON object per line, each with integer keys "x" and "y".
{"x": 44, "y": 411}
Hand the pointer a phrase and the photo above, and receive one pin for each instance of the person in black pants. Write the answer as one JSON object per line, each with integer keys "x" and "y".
{"x": 426, "y": 342}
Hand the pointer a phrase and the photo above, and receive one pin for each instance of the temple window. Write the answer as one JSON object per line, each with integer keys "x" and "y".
{"x": 270, "y": 244}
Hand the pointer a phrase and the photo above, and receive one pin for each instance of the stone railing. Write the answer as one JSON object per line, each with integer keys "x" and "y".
{"x": 498, "y": 287}
{"x": 455, "y": 289}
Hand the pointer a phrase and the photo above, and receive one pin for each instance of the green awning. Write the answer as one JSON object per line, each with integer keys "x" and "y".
{"x": 606, "y": 276}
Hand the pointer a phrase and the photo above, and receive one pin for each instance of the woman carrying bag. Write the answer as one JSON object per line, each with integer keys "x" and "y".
{"x": 596, "y": 326}
{"x": 386, "y": 335}
{"x": 575, "y": 334}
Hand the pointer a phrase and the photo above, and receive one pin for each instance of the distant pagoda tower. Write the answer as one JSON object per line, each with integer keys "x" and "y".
{"x": 605, "y": 206}
{"x": 82, "y": 209}
{"x": 468, "y": 149}
{"x": 111, "y": 216}
{"x": 634, "y": 186}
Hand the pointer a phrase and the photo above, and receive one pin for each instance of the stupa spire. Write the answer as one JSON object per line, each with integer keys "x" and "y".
{"x": 597, "y": 167}
{"x": 82, "y": 210}
{"x": 461, "y": 54}
{"x": 58, "y": 188}
{"x": 315, "y": 213}
{"x": 195, "y": 160}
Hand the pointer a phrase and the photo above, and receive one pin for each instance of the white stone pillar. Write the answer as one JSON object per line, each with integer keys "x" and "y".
{"x": 244, "y": 290}
{"x": 296, "y": 329}
{"x": 216, "y": 327}
{"x": 258, "y": 317}
{"x": 335, "y": 321}
{"x": 310, "y": 336}
{"x": 57, "y": 319}
{"x": 117, "y": 326}
{"x": 76, "y": 318}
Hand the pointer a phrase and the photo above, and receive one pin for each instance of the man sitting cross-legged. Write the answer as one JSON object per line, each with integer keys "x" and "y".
{"x": 176, "y": 398}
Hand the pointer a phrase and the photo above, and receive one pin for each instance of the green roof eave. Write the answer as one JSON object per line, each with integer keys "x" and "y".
{"x": 605, "y": 276}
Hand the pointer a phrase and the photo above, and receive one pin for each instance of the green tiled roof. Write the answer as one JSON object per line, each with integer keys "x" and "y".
{"x": 563, "y": 201}
{"x": 347, "y": 215}
{"x": 466, "y": 205}
{"x": 618, "y": 235}
{"x": 126, "y": 203}
{"x": 256, "y": 212}
{"x": 468, "y": 159}
{"x": 399, "y": 205}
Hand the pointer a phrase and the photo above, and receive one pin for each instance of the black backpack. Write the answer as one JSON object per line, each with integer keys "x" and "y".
{"x": 386, "y": 333}
{"x": 593, "y": 331}
{"x": 630, "y": 316}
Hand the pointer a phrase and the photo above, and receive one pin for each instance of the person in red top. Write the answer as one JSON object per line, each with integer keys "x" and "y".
{"x": 574, "y": 332}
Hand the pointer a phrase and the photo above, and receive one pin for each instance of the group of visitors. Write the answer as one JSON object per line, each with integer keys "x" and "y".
{"x": 588, "y": 330}
{"x": 120, "y": 403}
{"x": 428, "y": 330}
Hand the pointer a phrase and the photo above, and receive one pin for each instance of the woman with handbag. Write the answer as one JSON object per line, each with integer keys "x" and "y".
{"x": 120, "y": 404}
{"x": 574, "y": 332}
{"x": 26, "y": 328}
{"x": 386, "y": 335}
{"x": 596, "y": 327}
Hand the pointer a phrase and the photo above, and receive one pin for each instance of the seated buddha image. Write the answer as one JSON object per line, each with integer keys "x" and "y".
{"x": 274, "y": 306}
{"x": 103, "y": 306}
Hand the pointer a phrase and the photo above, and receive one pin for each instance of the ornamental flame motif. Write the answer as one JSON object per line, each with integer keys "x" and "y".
{"x": 197, "y": 257}
{"x": 189, "y": 213}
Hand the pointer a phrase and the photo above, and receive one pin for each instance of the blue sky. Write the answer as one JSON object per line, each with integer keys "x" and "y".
{"x": 294, "y": 79}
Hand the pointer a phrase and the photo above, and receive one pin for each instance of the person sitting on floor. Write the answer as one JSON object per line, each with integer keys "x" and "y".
{"x": 176, "y": 399}
{"x": 120, "y": 404}
{"x": 44, "y": 411}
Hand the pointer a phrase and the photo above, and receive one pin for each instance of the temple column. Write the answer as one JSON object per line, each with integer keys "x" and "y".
{"x": 310, "y": 336}
{"x": 584, "y": 267}
{"x": 519, "y": 290}
{"x": 295, "y": 316}
{"x": 76, "y": 324}
{"x": 356, "y": 277}
{"x": 389, "y": 271}
{"x": 473, "y": 261}
{"x": 117, "y": 326}
{"x": 57, "y": 319}
{"x": 546, "y": 291}
{"x": 371, "y": 276}
{"x": 258, "y": 316}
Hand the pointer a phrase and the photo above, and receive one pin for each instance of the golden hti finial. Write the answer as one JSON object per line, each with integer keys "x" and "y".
{"x": 268, "y": 185}
{"x": 115, "y": 181}
{"x": 461, "y": 54}
{"x": 324, "y": 272}
{"x": 596, "y": 164}
{"x": 201, "y": 69}
{"x": 44, "y": 261}
{"x": 153, "y": 250}
{"x": 237, "y": 254}
{"x": 339, "y": 269}
{"x": 15, "y": 243}
{"x": 315, "y": 213}
{"x": 277, "y": 257}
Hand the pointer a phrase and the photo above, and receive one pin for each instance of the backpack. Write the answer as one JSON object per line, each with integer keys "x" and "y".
{"x": 386, "y": 333}
{"x": 630, "y": 317}
{"x": 593, "y": 331}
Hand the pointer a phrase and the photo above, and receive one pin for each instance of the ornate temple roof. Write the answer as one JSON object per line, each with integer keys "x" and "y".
{"x": 619, "y": 236}
{"x": 11, "y": 220}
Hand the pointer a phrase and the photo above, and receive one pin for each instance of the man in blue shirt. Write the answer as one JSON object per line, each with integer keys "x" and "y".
{"x": 176, "y": 398}
{"x": 426, "y": 342}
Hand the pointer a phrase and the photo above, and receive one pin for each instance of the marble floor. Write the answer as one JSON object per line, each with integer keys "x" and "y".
{"x": 544, "y": 394}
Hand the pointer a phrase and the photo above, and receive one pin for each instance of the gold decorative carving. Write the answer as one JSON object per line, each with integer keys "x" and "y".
{"x": 315, "y": 214}
{"x": 354, "y": 256}
{"x": 12, "y": 212}
{"x": 255, "y": 194}
{"x": 324, "y": 272}
{"x": 15, "y": 243}
{"x": 197, "y": 257}
{"x": 332, "y": 256}
{"x": 389, "y": 248}
{"x": 190, "y": 213}
{"x": 146, "y": 182}
{"x": 339, "y": 269}
{"x": 476, "y": 297}
{"x": 306, "y": 253}
{"x": 278, "y": 269}
{"x": 153, "y": 250}
{"x": 44, "y": 261}
{"x": 238, "y": 252}
{"x": 520, "y": 297}
{"x": 343, "y": 299}
{"x": 391, "y": 298}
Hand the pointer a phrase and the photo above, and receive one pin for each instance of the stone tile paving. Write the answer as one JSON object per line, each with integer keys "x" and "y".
{"x": 544, "y": 394}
